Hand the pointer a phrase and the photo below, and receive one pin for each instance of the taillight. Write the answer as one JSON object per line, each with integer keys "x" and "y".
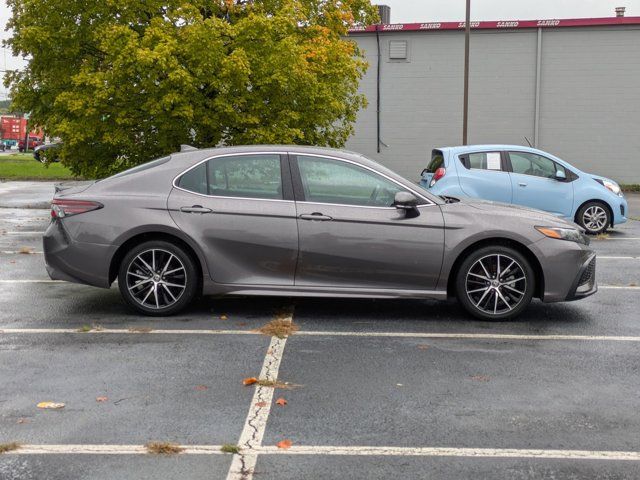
{"x": 61, "y": 208}
{"x": 439, "y": 173}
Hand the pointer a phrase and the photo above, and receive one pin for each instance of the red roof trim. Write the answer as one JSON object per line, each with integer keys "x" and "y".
{"x": 550, "y": 23}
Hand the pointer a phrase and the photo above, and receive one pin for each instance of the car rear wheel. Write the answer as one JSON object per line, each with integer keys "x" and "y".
{"x": 594, "y": 217}
{"x": 158, "y": 278}
{"x": 495, "y": 283}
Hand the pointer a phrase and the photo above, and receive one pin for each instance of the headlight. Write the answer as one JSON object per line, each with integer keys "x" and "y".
{"x": 613, "y": 187}
{"x": 570, "y": 234}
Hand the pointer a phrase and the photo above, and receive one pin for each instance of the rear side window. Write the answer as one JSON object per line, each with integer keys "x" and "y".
{"x": 247, "y": 176}
{"x": 143, "y": 167}
{"x": 437, "y": 161}
{"x": 482, "y": 161}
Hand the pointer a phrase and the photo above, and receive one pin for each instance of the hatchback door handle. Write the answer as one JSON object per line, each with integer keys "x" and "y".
{"x": 195, "y": 209}
{"x": 315, "y": 216}
{"x": 522, "y": 184}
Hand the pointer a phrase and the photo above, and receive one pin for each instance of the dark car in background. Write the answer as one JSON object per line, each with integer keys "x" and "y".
{"x": 47, "y": 153}
{"x": 304, "y": 221}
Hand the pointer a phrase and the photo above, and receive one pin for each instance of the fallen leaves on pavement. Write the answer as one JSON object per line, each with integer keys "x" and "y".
{"x": 163, "y": 448}
{"x": 51, "y": 405}
{"x": 480, "y": 378}
{"x": 202, "y": 388}
{"x": 284, "y": 444}
{"x": 281, "y": 401}
{"x": 101, "y": 399}
{"x": 249, "y": 381}
{"x": 7, "y": 447}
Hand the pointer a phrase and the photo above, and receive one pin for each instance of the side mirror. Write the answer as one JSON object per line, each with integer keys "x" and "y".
{"x": 560, "y": 176}
{"x": 405, "y": 201}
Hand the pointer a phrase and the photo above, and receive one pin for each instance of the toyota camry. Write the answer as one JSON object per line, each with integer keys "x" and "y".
{"x": 305, "y": 221}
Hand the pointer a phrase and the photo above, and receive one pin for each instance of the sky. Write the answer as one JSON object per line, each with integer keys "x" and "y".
{"x": 410, "y": 11}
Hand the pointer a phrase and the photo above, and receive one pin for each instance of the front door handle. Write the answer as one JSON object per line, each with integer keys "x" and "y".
{"x": 315, "y": 216}
{"x": 522, "y": 184}
{"x": 195, "y": 209}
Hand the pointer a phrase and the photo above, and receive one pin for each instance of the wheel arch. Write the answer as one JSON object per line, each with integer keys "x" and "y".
{"x": 148, "y": 235}
{"x": 506, "y": 242}
{"x": 595, "y": 200}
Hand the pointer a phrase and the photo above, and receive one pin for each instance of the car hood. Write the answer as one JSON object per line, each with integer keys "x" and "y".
{"x": 537, "y": 217}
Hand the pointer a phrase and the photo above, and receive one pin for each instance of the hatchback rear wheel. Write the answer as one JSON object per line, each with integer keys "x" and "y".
{"x": 495, "y": 283}
{"x": 158, "y": 278}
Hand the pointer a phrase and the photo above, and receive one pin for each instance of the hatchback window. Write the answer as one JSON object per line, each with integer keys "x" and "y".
{"x": 437, "y": 161}
{"x": 536, "y": 165}
{"x": 482, "y": 161}
{"x": 247, "y": 176}
{"x": 331, "y": 181}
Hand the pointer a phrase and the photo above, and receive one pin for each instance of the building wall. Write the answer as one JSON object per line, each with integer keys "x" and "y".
{"x": 589, "y": 105}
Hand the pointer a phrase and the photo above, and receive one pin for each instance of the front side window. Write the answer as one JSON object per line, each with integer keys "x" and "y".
{"x": 332, "y": 181}
{"x": 482, "y": 161}
{"x": 532, "y": 164}
{"x": 248, "y": 176}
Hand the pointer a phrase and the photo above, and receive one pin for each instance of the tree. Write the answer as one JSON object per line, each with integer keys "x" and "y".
{"x": 122, "y": 82}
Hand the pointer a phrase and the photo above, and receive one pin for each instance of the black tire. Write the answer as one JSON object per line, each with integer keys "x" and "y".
{"x": 132, "y": 268}
{"x": 477, "y": 296}
{"x": 586, "y": 217}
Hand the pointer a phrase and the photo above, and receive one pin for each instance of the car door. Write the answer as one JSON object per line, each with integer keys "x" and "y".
{"x": 484, "y": 175}
{"x": 537, "y": 184}
{"x": 350, "y": 234}
{"x": 240, "y": 210}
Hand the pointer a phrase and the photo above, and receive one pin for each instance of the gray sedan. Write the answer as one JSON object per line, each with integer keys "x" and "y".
{"x": 303, "y": 221}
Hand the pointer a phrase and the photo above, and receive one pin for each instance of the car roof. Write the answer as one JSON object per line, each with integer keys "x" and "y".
{"x": 488, "y": 147}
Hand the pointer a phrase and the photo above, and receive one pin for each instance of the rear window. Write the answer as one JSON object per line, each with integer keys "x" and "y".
{"x": 141, "y": 168}
{"x": 437, "y": 161}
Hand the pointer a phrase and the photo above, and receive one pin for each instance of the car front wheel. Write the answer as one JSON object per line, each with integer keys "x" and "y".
{"x": 594, "y": 217}
{"x": 495, "y": 283}
{"x": 158, "y": 278}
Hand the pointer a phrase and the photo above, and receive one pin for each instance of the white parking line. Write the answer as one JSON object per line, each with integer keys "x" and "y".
{"x": 455, "y": 452}
{"x": 617, "y": 258}
{"x": 31, "y": 449}
{"x": 28, "y": 232}
{"x": 244, "y": 463}
{"x": 108, "y": 449}
{"x": 444, "y": 336}
{"x": 13, "y": 252}
{"x": 44, "y": 280}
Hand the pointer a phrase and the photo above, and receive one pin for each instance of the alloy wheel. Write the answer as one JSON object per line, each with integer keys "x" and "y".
{"x": 496, "y": 284}
{"x": 156, "y": 278}
{"x": 594, "y": 218}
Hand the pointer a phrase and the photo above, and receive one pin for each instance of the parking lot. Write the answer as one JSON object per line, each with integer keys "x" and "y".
{"x": 373, "y": 389}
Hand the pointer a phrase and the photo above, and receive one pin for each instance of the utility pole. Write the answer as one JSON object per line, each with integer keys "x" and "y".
{"x": 467, "y": 32}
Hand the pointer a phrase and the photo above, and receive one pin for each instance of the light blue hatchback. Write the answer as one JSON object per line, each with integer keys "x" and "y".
{"x": 529, "y": 177}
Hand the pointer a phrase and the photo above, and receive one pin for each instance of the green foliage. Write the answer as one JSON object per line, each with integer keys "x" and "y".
{"x": 122, "y": 82}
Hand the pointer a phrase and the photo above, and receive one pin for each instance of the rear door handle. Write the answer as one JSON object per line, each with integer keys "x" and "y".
{"x": 195, "y": 209}
{"x": 522, "y": 184}
{"x": 315, "y": 216}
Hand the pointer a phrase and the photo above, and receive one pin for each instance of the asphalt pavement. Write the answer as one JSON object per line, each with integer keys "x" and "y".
{"x": 376, "y": 389}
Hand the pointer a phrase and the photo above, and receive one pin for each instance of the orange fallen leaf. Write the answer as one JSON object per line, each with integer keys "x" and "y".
{"x": 201, "y": 388}
{"x": 261, "y": 404}
{"x": 281, "y": 401}
{"x": 423, "y": 347}
{"x": 22, "y": 420}
{"x": 480, "y": 378}
{"x": 51, "y": 405}
{"x": 284, "y": 444}
{"x": 101, "y": 399}
{"x": 249, "y": 381}
{"x": 223, "y": 317}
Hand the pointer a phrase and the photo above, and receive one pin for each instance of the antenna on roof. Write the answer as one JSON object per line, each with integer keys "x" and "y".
{"x": 187, "y": 148}
{"x": 528, "y": 142}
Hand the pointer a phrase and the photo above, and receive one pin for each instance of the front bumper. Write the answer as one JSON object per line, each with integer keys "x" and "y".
{"x": 620, "y": 209}
{"x": 77, "y": 262}
{"x": 585, "y": 282}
